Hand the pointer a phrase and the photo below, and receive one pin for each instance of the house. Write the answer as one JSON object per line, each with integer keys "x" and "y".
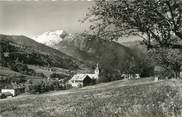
{"x": 5, "y": 95}
{"x": 180, "y": 74}
{"x": 130, "y": 76}
{"x": 13, "y": 91}
{"x": 80, "y": 80}
{"x": 157, "y": 72}
{"x": 137, "y": 76}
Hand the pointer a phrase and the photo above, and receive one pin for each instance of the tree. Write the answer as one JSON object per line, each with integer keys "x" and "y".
{"x": 157, "y": 22}
{"x": 58, "y": 75}
{"x": 109, "y": 74}
{"x": 170, "y": 59}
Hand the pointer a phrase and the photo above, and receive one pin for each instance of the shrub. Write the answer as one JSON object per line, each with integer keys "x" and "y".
{"x": 43, "y": 85}
{"x": 56, "y": 75}
{"x": 40, "y": 75}
{"x": 22, "y": 68}
{"x": 108, "y": 75}
{"x": 166, "y": 74}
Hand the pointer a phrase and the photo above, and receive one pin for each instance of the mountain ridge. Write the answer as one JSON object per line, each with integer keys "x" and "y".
{"x": 22, "y": 43}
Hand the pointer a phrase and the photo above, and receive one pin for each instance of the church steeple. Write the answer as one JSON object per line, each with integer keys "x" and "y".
{"x": 97, "y": 69}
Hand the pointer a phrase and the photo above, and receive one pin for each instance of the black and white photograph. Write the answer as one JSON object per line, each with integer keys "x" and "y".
{"x": 90, "y": 58}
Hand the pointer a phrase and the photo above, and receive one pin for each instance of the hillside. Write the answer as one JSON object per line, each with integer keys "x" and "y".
{"x": 93, "y": 50}
{"x": 32, "y": 52}
{"x": 113, "y": 58}
{"x": 111, "y": 55}
{"x": 133, "y": 98}
{"x": 137, "y": 44}
{"x": 23, "y": 59}
{"x": 87, "y": 48}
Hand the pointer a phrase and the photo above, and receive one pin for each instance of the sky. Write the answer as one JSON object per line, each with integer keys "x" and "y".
{"x": 34, "y": 17}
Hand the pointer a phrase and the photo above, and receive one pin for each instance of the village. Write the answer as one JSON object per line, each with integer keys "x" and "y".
{"x": 78, "y": 80}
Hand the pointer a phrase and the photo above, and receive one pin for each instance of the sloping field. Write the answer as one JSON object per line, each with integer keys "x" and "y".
{"x": 47, "y": 72}
{"x": 135, "y": 98}
{"x": 4, "y": 71}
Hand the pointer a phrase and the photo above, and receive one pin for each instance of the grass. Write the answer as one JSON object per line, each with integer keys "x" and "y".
{"x": 45, "y": 71}
{"x": 4, "y": 71}
{"x": 136, "y": 98}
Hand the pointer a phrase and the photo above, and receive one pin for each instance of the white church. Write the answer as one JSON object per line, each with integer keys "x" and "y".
{"x": 80, "y": 80}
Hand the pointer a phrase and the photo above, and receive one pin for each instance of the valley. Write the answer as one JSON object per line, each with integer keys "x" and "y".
{"x": 91, "y": 58}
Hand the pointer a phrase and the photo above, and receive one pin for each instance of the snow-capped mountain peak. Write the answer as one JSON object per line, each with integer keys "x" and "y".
{"x": 51, "y": 38}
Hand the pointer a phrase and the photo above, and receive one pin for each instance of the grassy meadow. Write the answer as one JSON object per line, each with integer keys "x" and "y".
{"x": 134, "y": 98}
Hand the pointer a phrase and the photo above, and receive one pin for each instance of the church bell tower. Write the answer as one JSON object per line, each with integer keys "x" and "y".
{"x": 97, "y": 71}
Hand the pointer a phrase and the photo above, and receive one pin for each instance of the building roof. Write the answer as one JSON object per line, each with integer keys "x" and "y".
{"x": 83, "y": 76}
{"x": 79, "y": 77}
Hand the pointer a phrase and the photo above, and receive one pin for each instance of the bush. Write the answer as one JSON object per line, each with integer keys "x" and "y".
{"x": 108, "y": 75}
{"x": 22, "y": 68}
{"x": 59, "y": 76}
{"x": 43, "y": 85}
{"x": 166, "y": 74}
{"x": 31, "y": 72}
{"x": 40, "y": 75}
